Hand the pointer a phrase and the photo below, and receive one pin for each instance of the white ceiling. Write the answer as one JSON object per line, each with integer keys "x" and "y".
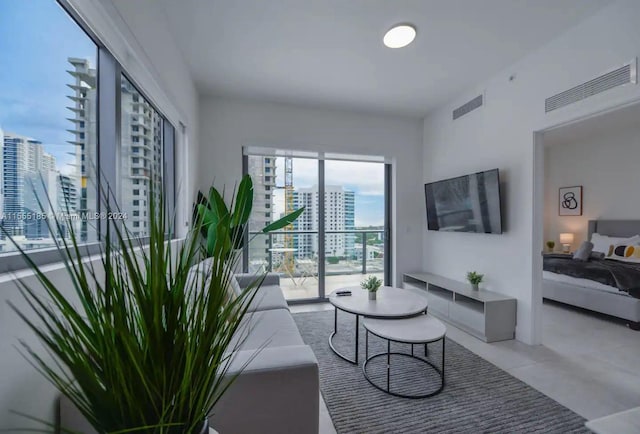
{"x": 329, "y": 53}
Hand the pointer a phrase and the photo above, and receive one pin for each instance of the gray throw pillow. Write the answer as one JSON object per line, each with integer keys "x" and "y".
{"x": 584, "y": 252}
{"x": 597, "y": 255}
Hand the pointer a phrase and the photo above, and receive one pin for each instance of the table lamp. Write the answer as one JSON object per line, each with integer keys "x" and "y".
{"x": 566, "y": 240}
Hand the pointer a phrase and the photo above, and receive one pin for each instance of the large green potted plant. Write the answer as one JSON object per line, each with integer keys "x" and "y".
{"x": 143, "y": 343}
{"x": 212, "y": 211}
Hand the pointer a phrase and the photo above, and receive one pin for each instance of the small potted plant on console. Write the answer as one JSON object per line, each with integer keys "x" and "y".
{"x": 551, "y": 245}
{"x": 474, "y": 279}
{"x": 371, "y": 284}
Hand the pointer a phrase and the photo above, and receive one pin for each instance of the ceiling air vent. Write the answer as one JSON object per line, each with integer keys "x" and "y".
{"x": 615, "y": 78}
{"x": 466, "y": 108}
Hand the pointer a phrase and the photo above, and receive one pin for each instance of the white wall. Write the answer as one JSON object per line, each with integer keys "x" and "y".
{"x": 228, "y": 125}
{"x": 606, "y": 165}
{"x": 144, "y": 48}
{"x": 501, "y": 135}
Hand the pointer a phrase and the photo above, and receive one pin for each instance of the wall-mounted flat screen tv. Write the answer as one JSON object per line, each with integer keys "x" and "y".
{"x": 469, "y": 203}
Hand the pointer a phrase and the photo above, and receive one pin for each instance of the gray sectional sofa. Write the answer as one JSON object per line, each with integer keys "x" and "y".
{"x": 278, "y": 391}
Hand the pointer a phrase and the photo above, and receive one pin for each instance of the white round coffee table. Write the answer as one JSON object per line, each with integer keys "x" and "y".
{"x": 391, "y": 303}
{"x": 421, "y": 330}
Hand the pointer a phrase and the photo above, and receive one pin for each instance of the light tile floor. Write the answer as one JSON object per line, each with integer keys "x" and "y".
{"x": 588, "y": 363}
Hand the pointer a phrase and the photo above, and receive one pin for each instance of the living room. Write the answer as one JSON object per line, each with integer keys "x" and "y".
{"x": 315, "y": 79}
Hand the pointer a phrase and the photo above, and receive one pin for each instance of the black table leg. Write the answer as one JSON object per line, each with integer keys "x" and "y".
{"x": 388, "y": 354}
{"x": 366, "y": 344}
{"x": 442, "y": 373}
{"x": 353, "y": 361}
{"x": 388, "y": 366}
{"x": 357, "y": 336}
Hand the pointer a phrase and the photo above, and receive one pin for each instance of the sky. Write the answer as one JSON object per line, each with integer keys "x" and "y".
{"x": 366, "y": 180}
{"x": 36, "y": 38}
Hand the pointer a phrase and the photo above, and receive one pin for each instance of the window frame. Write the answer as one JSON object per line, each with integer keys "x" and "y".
{"x": 108, "y": 113}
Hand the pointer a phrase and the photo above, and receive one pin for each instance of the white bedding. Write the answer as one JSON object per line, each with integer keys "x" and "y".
{"x": 585, "y": 283}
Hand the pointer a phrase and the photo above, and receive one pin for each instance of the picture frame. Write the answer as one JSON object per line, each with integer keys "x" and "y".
{"x": 570, "y": 201}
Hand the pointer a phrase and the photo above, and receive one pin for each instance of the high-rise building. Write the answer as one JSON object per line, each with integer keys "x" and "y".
{"x": 141, "y": 153}
{"x": 25, "y": 167}
{"x": 1, "y": 174}
{"x": 263, "y": 174}
{"x": 339, "y": 212}
{"x": 67, "y": 200}
{"x": 140, "y": 157}
{"x": 83, "y": 118}
{"x": 40, "y": 198}
{"x": 67, "y": 194}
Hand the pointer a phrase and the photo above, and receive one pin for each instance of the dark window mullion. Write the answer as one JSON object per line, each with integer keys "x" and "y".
{"x": 108, "y": 134}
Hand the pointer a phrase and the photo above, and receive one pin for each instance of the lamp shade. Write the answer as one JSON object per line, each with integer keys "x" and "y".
{"x": 566, "y": 238}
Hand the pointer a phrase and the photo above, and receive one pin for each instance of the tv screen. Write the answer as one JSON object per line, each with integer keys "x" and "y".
{"x": 469, "y": 203}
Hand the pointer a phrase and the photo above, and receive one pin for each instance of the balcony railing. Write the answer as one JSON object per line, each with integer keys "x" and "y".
{"x": 353, "y": 256}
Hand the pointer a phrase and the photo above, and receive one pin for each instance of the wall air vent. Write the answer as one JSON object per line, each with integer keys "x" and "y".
{"x": 466, "y": 108}
{"x": 615, "y": 78}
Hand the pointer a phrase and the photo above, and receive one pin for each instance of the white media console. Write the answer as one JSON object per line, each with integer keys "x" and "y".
{"x": 488, "y": 315}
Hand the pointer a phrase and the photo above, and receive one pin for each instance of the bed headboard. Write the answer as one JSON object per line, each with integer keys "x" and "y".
{"x": 615, "y": 228}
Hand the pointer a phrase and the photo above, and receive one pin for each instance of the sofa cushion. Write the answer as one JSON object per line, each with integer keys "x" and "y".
{"x": 246, "y": 279}
{"x": 268, "y": 329}
{"x": 268, "y": 297}
{"x": 234, "y": 286}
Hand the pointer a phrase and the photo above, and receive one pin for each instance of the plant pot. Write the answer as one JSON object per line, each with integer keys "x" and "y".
{"x": 372, "y": 295}
{"x": 474, "y": 286}
{"x": 205, "y": 427}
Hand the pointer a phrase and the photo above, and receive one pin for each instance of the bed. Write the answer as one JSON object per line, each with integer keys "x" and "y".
{"x": 593, "y": 295}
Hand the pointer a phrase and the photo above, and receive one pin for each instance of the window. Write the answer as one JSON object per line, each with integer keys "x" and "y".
{"x": 48, "y": 119}
{"x": 332, "y": 231}
{"x": 152, "y": 134}
{"x": 52, "y": 142}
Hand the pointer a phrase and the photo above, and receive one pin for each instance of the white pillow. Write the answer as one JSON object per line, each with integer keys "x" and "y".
{"x": 602, "y": 243}
{"x": 625, "y": 253}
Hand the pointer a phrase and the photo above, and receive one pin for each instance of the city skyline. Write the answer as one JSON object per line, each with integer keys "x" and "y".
{"x": 33, "y": 95}
{"x": 48, "y": 112}
{"x": 365, "y": 179}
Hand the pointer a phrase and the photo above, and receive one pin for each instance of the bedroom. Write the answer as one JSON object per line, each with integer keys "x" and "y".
{"x": 591, "y": 194}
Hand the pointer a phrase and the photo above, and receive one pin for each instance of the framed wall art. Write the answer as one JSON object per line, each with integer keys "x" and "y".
{"x": 570, "y": 200}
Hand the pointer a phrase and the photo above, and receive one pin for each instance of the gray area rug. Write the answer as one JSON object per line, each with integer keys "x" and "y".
{"x": 478, "y": 396}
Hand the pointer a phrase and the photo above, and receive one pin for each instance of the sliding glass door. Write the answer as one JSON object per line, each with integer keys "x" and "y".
{"x": 354, "y": 193}
{"x": 341, "y": 236}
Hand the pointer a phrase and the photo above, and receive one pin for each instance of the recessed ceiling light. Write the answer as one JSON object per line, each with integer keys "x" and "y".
{"x": 400, "y": 36}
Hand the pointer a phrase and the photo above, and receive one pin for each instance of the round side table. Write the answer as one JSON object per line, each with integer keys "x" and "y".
{"x": 422, "y": 330}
